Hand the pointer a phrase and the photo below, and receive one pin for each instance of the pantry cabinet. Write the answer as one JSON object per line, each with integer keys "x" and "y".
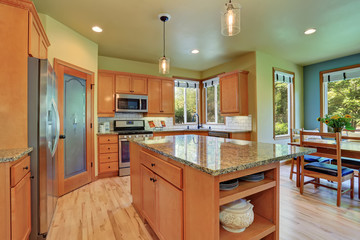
{"x": 161, "y": 97}
{"x": 131, "y": 85}
{"x": 234, "y": 93}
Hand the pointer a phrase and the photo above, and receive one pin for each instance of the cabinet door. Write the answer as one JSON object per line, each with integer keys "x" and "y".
{"x": 139, "y": 85}
{"x": 123, "y": 84}
{"x": 167, "y": 96}
{"x": 148, "y": 196}
{"x": 34, "y": 37}
{"x": 154, "y": 95}
{"x": 229, "y": 94}
{"x": 21, "y": 209}
{"x": 106, "y": 91}
{"x": 169, "y": 209}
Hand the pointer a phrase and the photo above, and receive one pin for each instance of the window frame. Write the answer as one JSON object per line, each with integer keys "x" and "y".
{"x": 216, "y": 107}
{"x": 323, "y": 96}
{"x": 185, "y": 108}
{"x": 291, "y": 104}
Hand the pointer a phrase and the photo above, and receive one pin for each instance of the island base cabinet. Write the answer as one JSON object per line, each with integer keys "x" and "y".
{"x": 21, "y": 209}
{"x": 162, "y": 205}
{"x": 148, "y": 196}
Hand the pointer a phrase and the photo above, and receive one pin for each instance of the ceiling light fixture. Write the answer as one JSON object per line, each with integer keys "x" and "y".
{"x": 195, "y": 51}
{"x": 164, "y": 62}
{"x": 230, "y": 19}
{"x": 97, "y": 29}
{"x": 310, "y": 31}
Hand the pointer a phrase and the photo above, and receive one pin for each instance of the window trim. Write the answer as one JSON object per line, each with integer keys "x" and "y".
{"x": 185, "y": 113}
{"x": 291, "y": 104}
{"x": 322, "y": 94}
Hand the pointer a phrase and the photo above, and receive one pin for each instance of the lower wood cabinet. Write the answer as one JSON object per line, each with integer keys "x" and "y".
{"x": 162, "y": 205}
{"x": 15, "y": 199}
{"x": 21, "y": 209}
{"x": 108, "y": 155}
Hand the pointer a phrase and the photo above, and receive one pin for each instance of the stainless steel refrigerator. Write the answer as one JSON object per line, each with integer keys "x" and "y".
{"x": 43, "y": 136}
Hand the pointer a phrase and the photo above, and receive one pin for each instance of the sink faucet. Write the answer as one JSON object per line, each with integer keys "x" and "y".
{"x": 198, "y": 120}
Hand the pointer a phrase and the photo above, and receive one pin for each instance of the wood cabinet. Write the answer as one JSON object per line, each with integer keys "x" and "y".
{"x": 241, "y": 136}
{"x": 131, "y": 85}
{"x": 21, "y": 209}
{"x": 38, "y": 43}
{"x": 106, "y": 95}
{"x": 108, "y": 155}
{"x": 162, "y": 205}
{"x": 234, "y": 93}
{"x": 15, "y": 198}
{"x": 161, "y": 97}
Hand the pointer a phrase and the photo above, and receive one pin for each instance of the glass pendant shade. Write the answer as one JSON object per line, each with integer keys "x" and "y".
{"x": 230, "y": 19}
{"x": 164, "y": 65}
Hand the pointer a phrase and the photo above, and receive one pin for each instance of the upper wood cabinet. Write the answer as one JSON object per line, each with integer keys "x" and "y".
{"x": 106, "y": 95}
{"x": 38, "y": 42}
{"x": 161, "y": 97}
{"x": 131, "y": 85}
{"x": 234, "y": 93}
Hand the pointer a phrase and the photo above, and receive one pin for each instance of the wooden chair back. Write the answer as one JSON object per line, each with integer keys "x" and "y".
{"x": 334, "y": 150}
{"x": 351, "y": 135}
{"x": 293, "y": 133}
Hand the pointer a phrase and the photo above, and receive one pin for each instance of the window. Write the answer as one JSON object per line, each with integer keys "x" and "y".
{"x": 283, "y": 102}
{"x": 186, "y": 101}
{"x": 212, "y": 100}
{"x": 341, "y": 93}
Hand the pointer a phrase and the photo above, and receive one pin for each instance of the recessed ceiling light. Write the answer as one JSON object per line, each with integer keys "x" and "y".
{"x": 97, "y": 29}
{"x": 310, "y": 31}
{"x": 195, "y": 51}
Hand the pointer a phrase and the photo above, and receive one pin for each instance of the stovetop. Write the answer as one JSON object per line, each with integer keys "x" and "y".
{"x": 133, "y": 132}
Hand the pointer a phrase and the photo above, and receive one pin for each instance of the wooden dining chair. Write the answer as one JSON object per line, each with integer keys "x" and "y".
{"x": 352, "y": 163}
{"x": 317, "y": 170}
{"x": 295, "y": 137}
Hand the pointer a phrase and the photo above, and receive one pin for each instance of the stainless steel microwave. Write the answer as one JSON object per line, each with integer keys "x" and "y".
{"x": 131, "y": 103}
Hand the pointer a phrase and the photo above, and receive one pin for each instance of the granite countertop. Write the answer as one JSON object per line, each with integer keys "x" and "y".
{"x": 217, "y": 156}
{"x": 108, "y": 133}
{"x": 10, "y": 155}
{"x": 228, "y": 130}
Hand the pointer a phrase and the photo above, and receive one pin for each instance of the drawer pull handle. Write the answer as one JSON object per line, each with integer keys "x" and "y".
{"x": 153, "y": 164}
{"x": 151, "y": 179}
{"x": 108, "y": 166}
{"x": 108, "y": 148}
{"x": 108, "y": 157}
{"x": 108, "y": 140}
{"x": 154, "y": 180}
{"x": 26, "y": 168}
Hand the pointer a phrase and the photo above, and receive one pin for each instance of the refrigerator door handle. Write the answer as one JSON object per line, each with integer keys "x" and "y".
{"x": 57, "y": 127}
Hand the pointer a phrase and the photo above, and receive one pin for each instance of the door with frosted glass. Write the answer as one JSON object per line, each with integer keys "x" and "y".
{"x": 75, "y": 110}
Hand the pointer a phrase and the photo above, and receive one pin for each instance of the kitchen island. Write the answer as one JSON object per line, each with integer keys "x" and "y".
{"x": 175, "y": 184}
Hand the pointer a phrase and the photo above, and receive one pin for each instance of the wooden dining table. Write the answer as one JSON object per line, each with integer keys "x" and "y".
{"x": 349, "y": 149}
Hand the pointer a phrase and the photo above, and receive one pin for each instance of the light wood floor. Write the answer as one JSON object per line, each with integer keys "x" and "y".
{"x": 102, "y": 210}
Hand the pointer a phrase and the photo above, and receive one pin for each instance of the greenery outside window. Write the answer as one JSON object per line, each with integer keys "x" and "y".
{"x": 186, "y": 101}
{"x": 212, "y": 102}
{"x": 341, "y": 94}
{"x": 283, "y": 94}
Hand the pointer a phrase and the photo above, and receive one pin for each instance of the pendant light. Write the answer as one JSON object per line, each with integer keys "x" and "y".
{"x": 164, "y": 62}
{"x": 230, "y": 19}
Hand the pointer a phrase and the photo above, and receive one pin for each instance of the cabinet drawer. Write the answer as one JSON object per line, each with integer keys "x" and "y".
{"x": 165, "y": 170}
{"x": 19, "y": 170}
{"x": 108, "y": 139}
{"x": 108, "y": 148}
{"x": 108, "y": 157}
{"x": 109, "y": 167}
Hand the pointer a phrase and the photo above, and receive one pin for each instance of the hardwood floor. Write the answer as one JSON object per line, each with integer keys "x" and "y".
{"x": 102, "y": 210}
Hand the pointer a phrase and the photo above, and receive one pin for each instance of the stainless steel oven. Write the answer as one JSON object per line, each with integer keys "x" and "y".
{"x": 128, "y": 129}
{"x": 131, "y": 103}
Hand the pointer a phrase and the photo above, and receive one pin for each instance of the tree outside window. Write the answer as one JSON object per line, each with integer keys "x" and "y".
{"x": 186, "y": 102}
{"x": 213, "y": 104}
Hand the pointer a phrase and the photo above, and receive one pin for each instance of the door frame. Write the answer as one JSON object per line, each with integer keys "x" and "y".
{"x": 59, "y": 66}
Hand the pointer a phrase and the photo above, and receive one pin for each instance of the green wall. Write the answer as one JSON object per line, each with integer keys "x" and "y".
{"x": 264, "y": 71}
{"x": 122, "y": 65}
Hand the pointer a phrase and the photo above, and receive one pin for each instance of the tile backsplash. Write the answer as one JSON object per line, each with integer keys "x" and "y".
{"x": 238, "y": 122}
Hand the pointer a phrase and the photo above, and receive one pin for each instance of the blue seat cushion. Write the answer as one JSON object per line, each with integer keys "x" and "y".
{"x": 311, "y": 158}
{"x": 349, "y": 162}
{"x": 328, "y": 169}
